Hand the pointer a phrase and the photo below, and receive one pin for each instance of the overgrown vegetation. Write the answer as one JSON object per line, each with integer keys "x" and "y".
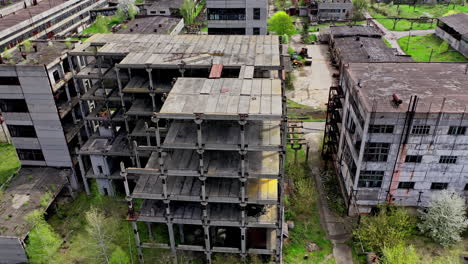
{"x": 301, "y": 207}
{"x": 43, "y": 243}
{"x": 316, "y": 28}
{"x": 391, "y": 226}
{"x": 103, "y": 24}
{"x": 303, "y": 112}
{"x": 445, "y": 218}
{"x": 190, "y": 10}
{"x": 281, "y": 24}
{"x": 9, "y": 164}
{"x": 421, "y": 47}
{"x": 400, "y": 253}
{"x": 333, "y": 193}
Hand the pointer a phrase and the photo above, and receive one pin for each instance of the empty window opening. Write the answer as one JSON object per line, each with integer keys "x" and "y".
{"x": 406, "y": 185}
{"x": 9, "y": 81}
{"x": 30, "y": 154}
{"x": 259, "y": 73}
{"x": 413, "y": 158}
{"x": 100, "y": 171}
{"x": 420, "y": 130}
{"x": 257, "y": 238}
{"x": 439, "y": 185}
{"x": 256, "y": 13}
{"x": 22, "y": 131}
{"x": 56, "y": 76}
{"x": 230, "y": 73}
{"x": 384, "y": 129}
{"x": 448, "y": 159}
{"x": 457, "y": 130}
{"x": 377, "y": 152}
{"x": 256, "y": 31}
{"x": 13, "y": 105}
{"x": 162, "y": 12}
{"x": 370, "y": 179}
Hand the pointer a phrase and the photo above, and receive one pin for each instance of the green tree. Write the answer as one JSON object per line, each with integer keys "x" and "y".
{"x": 400, "y": 254}
{"x": 100, "y": 234}
{"x": 281, "y": 24}
{"x": 43, "y": 243}
{"x": 119, "y": 256}
{"x": 188, "y": 10}
{"x": 445, "y": 219}
{"x": 359, "y": 7}
{"x": 391, "y": 226}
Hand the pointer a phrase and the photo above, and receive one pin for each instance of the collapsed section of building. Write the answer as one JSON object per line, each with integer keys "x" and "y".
{"x": 197, "y": 125}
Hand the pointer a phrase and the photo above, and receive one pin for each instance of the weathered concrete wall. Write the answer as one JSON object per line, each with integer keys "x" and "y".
{"x": 459, "y": 45}
{"x": 334, "y": 11}
{"x": 249, "y": 23}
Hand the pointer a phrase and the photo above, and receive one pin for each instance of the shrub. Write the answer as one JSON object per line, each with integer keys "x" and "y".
{"x": 400, "y": 254}
{"x": 27, "y": 45}
{"x": 285, "y": 39}
{"x": 444, "y": 46}
{"x": 46, "y": 198}
{"x": 445, "y": 219}
{"x": 391, "y": 226}
{"x": 43, "y": 242}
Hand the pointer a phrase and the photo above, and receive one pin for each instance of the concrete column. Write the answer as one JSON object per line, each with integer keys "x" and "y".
{"x": 138, "y": 242}
{"x": 181, "y": 233}
{"x": 150, "y": 231}
{"x": 83, "y": 173}
{"x": 172, "y": 241}
{"x": 243, "y": 240}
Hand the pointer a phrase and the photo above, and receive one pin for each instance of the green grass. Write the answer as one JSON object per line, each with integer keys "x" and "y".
{"x": 304, "y": 113}
{"x": 420, "y": 49}
{"x": 301, "y": 207}
{"x": 382, "y": 12}
{"x": 9, "y": 164}
{"x": 387, "y": 43}
{"x": 204, "y": 29}
{"x": 327, "y": 25}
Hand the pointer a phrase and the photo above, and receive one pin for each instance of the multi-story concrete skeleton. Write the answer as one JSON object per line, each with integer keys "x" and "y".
{"x": 198, "y": 126}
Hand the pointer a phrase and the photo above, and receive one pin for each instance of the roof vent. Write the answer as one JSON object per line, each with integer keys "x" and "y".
{"x": 136, "y": 25}
{"x": 397, "y": 99}
{"x": 160, "y": 25}
{"x": 155, "y": 30}
{"x": 358, "y": 38}
{"x": 131, "y": 30}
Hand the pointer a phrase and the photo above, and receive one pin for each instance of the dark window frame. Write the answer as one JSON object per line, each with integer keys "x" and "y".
{"x": 413, "y": 158}
{"x": 256, "y": 31}
{"x": 26, "y": 131}
{"x": 30, "y": 154}
{"x": 406, "y": 185}
{"x": 420, "y": 130}
{"x": 448, "y": 159}
{"x": 370, "y": 179}
{"x": 376, "y": 152}
{"x": 257, "y": 13}
{"x": 381, "y": 129}
{"x": 9, "y": 80}
{"x": 439, "y": 185}
{"x": 457, "y": 130}
{"x": 14, "y": 106}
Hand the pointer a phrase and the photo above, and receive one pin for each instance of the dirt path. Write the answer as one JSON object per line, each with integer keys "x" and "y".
{"x": 337, "y": 228}
{"x": 393, "y": 36}
{"x": 312, "y": 83}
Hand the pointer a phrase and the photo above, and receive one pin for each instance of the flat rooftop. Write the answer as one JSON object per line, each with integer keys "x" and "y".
{"x": 24, "y": 196}
{"x": 347, "y": 31}
{"x": 440, "y": 87}
{"x": 459, "y": 23}
{"x": 224, "y": 98}
{"x": 45, "y": 53}
{"x": 165, "y": 51}
{"x": 151, "y": 25}
{"x": 27, "y": 13}
{"x": 164, "y": 3}
{"x": 367, "y": 49}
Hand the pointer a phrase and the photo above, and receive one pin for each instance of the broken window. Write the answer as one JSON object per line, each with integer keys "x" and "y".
{"x": 13, "y": 105}
{"x": 439, "y": 185}
{"x": 9, "y": 80}
{"x": 381, "y": 129}
{"x": 413, "y": 158}
{"x": 370, "y": 179}
{"x": 376, "y": 152}
{"x": 448, "y": 159}
{"x": 256, "y": 14}
{"x": 406, "y": 185}
{"x": 457, "y": 130}
{"x": 348, "y": 158}
{"x": 30, "y": 154}
{"x": 256, "y": 31}
{"x": 22, "y": 131}
{"x": 420, "y": 130}
{"x": 56, "y": 76}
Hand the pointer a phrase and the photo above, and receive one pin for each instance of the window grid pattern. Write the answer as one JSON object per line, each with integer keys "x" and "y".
{"x": 448, "y": 159}
{"x": 30, "y": 154}
{"x": 420, "y": 130}
{"x": 370, "y": 179}
{"x": 413, "y": 158}
{"x": 376, "y": 152}
{"x": 457, "y": 130}
{"x": 439, "y": 185}
{"x": 381, "y": 129}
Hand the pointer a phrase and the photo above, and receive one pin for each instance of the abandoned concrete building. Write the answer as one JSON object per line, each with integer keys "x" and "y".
{"x": 359, "y": 44}
{"x": 237, "y": 17}
{"x": 454, "y": 30}
{"x": 45, "y": 19}
{"x": 40, "y": 104}
{"x": 197, "y": 124}
{"x": 334, "y": 10}
{"x": 153, "y": 25}
{"x": 161, "y": 7}
{"x": 397, "y": 132}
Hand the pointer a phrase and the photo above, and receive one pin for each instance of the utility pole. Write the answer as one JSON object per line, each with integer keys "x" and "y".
{"x": 407, "y": 43}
